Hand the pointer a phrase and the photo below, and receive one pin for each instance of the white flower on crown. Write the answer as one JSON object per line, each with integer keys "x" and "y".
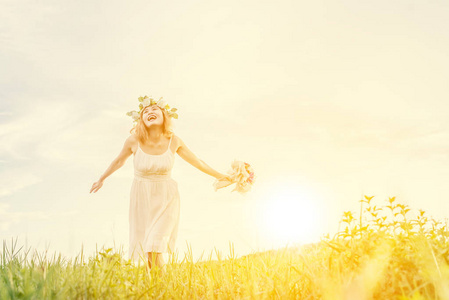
{"x": 146, "y": 102}
{"x": 161, "y": 103}
{"x": 135, "y": 115}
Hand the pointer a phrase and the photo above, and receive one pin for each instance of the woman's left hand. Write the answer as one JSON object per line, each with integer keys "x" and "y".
{"x": 222, "y": 181}
{"x": 223, "y": 176}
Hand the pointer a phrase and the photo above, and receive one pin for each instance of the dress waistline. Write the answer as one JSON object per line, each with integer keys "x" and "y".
{"x": 151, "y": 177}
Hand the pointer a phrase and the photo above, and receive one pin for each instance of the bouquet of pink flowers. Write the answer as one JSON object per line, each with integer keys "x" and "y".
{"x": 241, "y": 173}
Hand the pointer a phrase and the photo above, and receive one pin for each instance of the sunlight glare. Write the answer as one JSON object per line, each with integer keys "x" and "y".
{"x": 291, "y": 215}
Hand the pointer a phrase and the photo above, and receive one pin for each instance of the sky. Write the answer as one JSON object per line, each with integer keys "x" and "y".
{"x": 327, "y": 100}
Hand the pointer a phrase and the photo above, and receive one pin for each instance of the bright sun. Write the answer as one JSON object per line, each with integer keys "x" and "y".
{"x": 291, "y": 215}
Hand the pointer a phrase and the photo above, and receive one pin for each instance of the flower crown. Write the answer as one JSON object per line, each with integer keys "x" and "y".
{"x": 147, "y": 101}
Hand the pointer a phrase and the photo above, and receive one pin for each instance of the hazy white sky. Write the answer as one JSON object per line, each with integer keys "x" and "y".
{"x": 328, "y": 100}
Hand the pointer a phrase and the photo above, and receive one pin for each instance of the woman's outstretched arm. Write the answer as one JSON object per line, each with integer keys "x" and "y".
{"x": 185, "y": 153}
{"x": 116, "y": 164}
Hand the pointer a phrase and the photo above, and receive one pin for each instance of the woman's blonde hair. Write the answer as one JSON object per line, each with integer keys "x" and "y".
{"x": 142, "y": 133}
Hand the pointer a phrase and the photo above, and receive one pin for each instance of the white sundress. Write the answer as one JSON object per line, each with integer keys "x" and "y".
{"x": 154, "y": 205}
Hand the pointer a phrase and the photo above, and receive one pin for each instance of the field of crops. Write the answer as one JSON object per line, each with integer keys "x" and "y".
{"x": 379, "y": 253}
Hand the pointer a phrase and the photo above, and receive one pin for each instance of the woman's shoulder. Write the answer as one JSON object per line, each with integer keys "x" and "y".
{"x": 132, "y": 139}
{"x": 176, "y": 139}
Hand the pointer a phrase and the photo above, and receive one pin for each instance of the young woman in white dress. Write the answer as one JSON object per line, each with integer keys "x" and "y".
{"x": 154, "y": 197}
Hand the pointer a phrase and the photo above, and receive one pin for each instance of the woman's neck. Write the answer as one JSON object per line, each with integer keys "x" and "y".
{"x": 155, "y": 133}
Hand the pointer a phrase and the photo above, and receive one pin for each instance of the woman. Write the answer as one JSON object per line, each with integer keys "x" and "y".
{"x": 154, "y": 197}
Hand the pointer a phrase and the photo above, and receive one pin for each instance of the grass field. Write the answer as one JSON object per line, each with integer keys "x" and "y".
{"x": 380, "y": 253}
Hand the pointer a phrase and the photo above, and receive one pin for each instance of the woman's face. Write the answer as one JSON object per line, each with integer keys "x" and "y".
{"x": 152, "y": 115}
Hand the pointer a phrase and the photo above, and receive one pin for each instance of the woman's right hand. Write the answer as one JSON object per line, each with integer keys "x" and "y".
{"x": 96, "y": 186}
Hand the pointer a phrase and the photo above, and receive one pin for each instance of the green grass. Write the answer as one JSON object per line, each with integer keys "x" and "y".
{"x": 383, "y": 253}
